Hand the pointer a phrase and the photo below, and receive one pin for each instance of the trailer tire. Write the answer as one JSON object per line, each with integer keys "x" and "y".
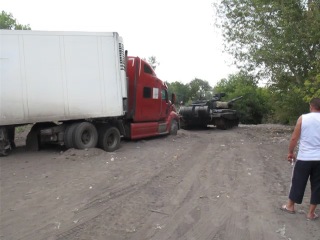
{"x": 4, "y": 142}
{"x": 173, "y": 127}
{"x": 85, "y": 135}
{"x": 109, "y": 139}
{"x": 4, "y": 153}
{"x": 68, "y": 135}
{"x": 11, "y": 135}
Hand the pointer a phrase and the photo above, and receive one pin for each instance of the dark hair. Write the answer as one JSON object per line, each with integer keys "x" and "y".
{"x": 315, "y": 102}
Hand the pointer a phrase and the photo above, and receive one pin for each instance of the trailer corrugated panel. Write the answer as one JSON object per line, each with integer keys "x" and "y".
{"x": 57, "y": 76}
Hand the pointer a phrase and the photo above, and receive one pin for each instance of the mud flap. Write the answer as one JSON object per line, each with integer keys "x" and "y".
{"x": 5, "y": 146}
{"x": 32, "y": 141}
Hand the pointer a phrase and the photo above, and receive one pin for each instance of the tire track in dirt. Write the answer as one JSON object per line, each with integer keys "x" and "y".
{"x": 202, "y": 184}
{"x": 208, "y": 204}
{"x": 149, "y": 193}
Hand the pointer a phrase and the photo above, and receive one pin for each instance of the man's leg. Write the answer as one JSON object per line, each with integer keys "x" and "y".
{"x": 315, "y": 189}
{"x": 311, "y": 214}
{"x": 289, "y": 206}
{"x": 299, "y": 181}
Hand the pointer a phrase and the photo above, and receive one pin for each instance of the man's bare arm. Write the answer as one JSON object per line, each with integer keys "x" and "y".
{"x": 294, "y": 139}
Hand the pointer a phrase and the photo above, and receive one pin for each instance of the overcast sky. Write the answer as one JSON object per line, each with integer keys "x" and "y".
{"x": 179, "y": 33}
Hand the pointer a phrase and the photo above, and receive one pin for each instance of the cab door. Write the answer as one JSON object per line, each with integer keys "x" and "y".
{"x": 164, "y": 104}
{"x": 149, "y": 98}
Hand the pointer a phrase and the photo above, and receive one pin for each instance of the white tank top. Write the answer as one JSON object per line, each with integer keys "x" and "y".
{"x": 309, "y": 146}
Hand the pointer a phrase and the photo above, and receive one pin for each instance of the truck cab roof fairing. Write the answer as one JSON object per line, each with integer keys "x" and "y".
{"x": 143, "y": 65}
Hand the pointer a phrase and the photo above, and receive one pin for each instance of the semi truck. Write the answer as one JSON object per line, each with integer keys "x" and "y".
{"x": 78, "y": 89}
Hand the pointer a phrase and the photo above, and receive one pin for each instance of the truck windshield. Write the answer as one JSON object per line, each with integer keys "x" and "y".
{"x": 164, "y": 94}
{"x": 148, "y": 69}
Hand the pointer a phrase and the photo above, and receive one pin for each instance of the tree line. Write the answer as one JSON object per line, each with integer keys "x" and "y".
{"x": 273, "y": 41}
{"x": 7, "y": 21}
{"x": 254, "y": 108}
{"x": 278, "y": 41}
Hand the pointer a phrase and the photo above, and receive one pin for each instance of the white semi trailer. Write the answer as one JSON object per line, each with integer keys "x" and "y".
{"x": 74, "y": 88}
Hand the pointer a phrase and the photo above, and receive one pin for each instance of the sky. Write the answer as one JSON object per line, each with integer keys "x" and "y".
{"x": 179, "y": 33}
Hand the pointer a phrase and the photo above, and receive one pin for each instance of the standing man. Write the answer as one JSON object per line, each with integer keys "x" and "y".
{"x": 307, "y": 164}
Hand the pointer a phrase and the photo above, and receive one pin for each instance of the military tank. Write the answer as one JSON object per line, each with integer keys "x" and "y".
{"x": 215, "y": 112}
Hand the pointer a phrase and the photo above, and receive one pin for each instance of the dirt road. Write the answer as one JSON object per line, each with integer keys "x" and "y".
{"x": 202, "y": 184}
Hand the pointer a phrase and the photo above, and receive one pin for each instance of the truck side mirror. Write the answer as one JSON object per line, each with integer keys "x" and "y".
{"x": 173, "y": 98}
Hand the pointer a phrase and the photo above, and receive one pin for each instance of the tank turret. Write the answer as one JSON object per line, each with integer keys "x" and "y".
{"x": 229, "y": 104}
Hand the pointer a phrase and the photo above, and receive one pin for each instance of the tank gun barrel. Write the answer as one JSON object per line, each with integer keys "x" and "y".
{"x": 230, "y": 103}
{"x": 235, "y": 99}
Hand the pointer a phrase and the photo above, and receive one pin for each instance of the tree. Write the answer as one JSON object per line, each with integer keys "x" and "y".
{"x": 8, "y": 22}
{"x": 254, "y": 107}
{"x": 152, "y": 61}
{"x": 199, "y": 89}
{"x": 181, "y": 90}
{"x": 186, "y": 93}
{"x": 278, "y": 40}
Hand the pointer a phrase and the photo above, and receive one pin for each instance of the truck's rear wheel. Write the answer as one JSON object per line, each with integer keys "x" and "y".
{"x": 68, "y": 135}
{"x": 85, "y": 135}
{"x": 109, "y": 139}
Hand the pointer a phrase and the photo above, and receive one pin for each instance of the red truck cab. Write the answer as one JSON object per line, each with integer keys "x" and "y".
{"x": 150, "y": 112}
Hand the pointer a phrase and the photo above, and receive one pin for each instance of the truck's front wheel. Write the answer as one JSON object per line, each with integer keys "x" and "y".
{"x": 174, "y": 127}
{"x": 109, "y": 139}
